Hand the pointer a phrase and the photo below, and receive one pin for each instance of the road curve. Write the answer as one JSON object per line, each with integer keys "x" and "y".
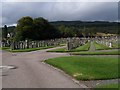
{"x": 30, "y": 72}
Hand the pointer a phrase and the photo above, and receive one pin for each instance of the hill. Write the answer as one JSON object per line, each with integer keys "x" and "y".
{"x": 100, "y": 26}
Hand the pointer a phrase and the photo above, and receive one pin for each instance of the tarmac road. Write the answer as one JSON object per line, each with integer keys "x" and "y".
{"x": 30, "y": 72}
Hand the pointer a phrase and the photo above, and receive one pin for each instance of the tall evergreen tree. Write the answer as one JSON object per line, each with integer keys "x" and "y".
{"x": 4, "y": 32}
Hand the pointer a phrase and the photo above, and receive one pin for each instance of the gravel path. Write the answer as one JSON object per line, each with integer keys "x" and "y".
{"x": 92, "y": 47}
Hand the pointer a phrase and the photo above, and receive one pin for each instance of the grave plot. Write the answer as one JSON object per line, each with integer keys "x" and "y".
{"x": 106, "y": 43}
{"x": 84, "y": 47}
{"x": 75, "y": 45}
{"x": 26, "y": 46}
{"x": 116, "y": 44}
{"x": 89, "y": 68}
{"x": 84, "y": 44}
{"x": 99, "y": 46}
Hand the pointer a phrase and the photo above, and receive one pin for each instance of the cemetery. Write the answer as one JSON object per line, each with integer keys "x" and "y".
{"x": 72, "y": 45}
{"x": 84, "y": 58}
{"x": 81, "y": 47}
{"x": 26, "y": 46}
{"x": 87, "y": 68}
{"x": 90, "y": 67}
{"x": 81, "y": 68}
{"x": 110, "y": 46}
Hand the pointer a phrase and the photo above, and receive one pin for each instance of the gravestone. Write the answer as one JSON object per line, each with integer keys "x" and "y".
{"x": 110, "y": 45}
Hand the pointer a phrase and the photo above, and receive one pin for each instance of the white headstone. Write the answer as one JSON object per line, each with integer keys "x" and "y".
{"x": 110, "y": 45}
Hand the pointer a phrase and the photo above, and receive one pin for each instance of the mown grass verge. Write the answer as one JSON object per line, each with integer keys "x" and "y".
{"x": 29, "y": 49}
{"x": 116, "y": 52}
{"x": 4, "y": 48}
{"x": 81, "y": 48}
{"x": 100, "y": 46}
{"x": 112, "y": 86}
{"x": 87, "y": 68}
{"x": 26, "y": 50}
{"x": 116, "y": 45}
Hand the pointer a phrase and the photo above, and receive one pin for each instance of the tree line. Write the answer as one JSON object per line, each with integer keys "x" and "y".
{"x": 40, "y": 29}
{"x": 35, "y": 29}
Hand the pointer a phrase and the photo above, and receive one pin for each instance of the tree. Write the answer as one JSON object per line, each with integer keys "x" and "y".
{"x": 40, "y": 27}
{"x": 44, "y": 30}
{"x": 70, "y": 31}
{"x": 92, "y": 31}
{"x": 24, "y": 28}
{"x": 61, "y": 28}
{"x": 5, "y": 32}
{"x": 35, "y": 29}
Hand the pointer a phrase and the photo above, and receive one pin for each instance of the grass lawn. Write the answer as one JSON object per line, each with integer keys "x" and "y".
{"x": 113, "y": 86}
{"x": 4, "y": 48}
{"x": 116, "y": 52}
{"x": 100, "y": 46}
{"x": 81, "y": 48}
{"x": 116, "y": 45}
{"x": 58, "y": 50}
{"x": 87, "y": 68}
{"x": 26, "y": 50}
{"x": 29, "y": 49}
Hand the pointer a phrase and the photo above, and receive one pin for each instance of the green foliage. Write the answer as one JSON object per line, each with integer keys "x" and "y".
{"x": 24, "y": 28}
{"x": 72, "y": 31}
{"x": 0, "y": 33}
{"x": 39, "y": 28}
{"x": 69, "y": 31}
{"x": 25, "y": 50}
{"x": 80, "y": 48}
{"x": 83, "y": 47}
{"x": 115, "y": 45}
{"x": 4, "y": 32}
{"x": 87, "y": 68}
{"x": 4, "y": 48}
{"x": 100, "y": 46}
{"x": 58, "y": 50}
{"x": 43, "y": 29}
{"x": 97, "y": 26}
{"x": 30, "y": 49}
{"x": 112, "y": 85}
{"x": 114, "y": 52}
{"x": 34, "y": 29}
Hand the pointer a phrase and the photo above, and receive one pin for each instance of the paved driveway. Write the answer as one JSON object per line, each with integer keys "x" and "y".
{"x": 32, "y": 73}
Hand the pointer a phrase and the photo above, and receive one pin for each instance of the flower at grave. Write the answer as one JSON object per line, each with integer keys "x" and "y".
{"x": 77, "y": 74}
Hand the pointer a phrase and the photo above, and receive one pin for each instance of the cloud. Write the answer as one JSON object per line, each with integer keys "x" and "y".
{"x": 60, "y": 1}
{"x": 53, "y": 11}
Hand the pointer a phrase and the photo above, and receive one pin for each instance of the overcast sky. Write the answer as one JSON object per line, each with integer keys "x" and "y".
{"x": 59, "y": 11}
